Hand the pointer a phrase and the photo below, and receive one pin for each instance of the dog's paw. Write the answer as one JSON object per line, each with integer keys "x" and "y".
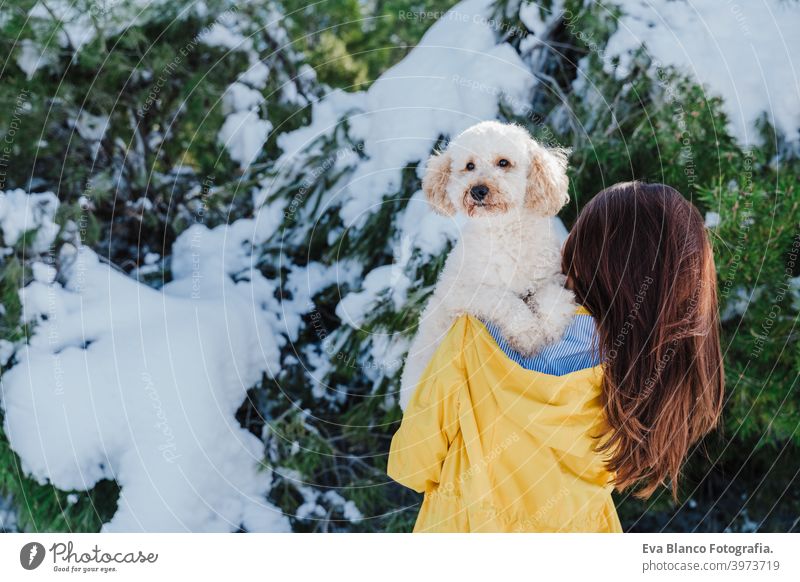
{"x": 526, "y": 344}
{"x": 556, "y": 309}
{"x": 523, "y": 332}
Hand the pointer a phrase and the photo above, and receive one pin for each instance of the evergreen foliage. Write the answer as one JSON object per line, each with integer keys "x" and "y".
{"x": 130, "y": 193}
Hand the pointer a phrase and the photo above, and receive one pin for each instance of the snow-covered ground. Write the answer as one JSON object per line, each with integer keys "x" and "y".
{"x": 120, "y": 381}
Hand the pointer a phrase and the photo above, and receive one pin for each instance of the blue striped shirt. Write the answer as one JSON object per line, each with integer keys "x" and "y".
{"x": 576, "y": 350}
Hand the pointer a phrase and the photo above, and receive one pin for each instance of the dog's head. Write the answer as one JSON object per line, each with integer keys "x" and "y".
{"x": 493, "y": 168}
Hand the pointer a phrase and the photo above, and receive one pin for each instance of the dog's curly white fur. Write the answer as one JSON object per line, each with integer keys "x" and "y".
{"x": 506, "y": 265}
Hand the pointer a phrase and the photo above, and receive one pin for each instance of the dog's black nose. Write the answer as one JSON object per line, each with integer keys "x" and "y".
{"x": 479, "y": 192}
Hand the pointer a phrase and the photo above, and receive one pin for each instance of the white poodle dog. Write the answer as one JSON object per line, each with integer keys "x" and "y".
{"x": 506, "y": 266}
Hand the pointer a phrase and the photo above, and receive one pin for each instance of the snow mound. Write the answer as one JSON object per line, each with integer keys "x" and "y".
{"x": 121, "y": 381}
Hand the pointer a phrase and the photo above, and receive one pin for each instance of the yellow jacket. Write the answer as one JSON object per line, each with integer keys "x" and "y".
{"x": 496, "y": 447}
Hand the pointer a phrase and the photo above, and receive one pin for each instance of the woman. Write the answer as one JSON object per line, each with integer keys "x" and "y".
{"x": 498, "y": 442}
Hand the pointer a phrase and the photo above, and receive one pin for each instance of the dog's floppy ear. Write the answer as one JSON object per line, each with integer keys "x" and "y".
{"x": 548, "y": 185}
{"x": 434, "y": 183}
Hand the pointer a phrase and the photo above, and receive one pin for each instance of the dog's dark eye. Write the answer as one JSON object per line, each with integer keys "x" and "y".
{"x": 470, "y": 166}
{"x": 504, "y": 163}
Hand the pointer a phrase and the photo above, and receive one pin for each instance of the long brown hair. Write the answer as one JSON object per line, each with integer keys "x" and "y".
{"x": 639, "y": 260}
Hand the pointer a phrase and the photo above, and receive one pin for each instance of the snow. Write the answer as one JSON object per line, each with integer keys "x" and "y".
{"x": 530, "y": 13}
{"x": 303, "y": 282}
{"x": 6, "y": 351}
{"x": 312, "y": 506}
{"x": 120, "y": 381}
{"x": 387, "y": 356}
{"x": 712, "y": 219}
{"x": 8, "y": 515}
{"x": 206, "y": 261}
{"x": 243, "y": 134}
{"x": 349, "y": 509}
{"x": 240, "y": 97}
{"x": 429, "y": 232}
{"x": 91, "y": 127}
{"x": 354, "y": 308}
{"x": 744, "y": 52}
{"x": 256, "y": 76}
{"x": 351, "y": 512}
{"x": 20, "y": 212}
{"x": 30, "y": 58}
{"x": 43, "y": 273}
{"x": 224, "y": 36}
